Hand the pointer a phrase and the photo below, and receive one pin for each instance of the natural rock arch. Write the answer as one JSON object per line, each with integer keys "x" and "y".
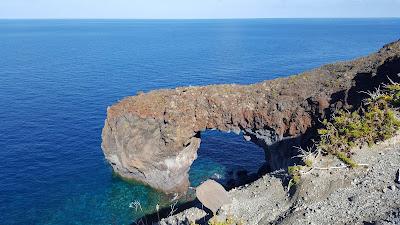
{"x": 154, "y": 137}
{"x": 228, "y": 158}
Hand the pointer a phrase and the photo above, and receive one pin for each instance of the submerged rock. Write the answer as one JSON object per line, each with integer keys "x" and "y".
{"x": 154, "y": 137}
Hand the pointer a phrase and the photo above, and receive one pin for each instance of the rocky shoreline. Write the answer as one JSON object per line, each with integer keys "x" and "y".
{"x": 365, "y": 195}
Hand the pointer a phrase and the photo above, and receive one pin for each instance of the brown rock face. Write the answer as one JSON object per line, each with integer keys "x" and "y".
{"x": 154, "y": 137}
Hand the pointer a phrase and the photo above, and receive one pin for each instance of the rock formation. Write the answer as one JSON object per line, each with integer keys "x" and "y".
{"x": 154, "y": 137}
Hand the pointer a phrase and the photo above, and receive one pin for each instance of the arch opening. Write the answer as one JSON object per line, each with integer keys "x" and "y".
{"x": 227, "y": 158}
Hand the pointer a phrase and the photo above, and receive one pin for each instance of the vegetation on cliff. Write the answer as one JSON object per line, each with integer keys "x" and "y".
{"x": 375, "y": 121}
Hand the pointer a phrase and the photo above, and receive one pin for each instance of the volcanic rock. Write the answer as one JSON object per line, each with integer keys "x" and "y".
{"x": 154, "y": 137}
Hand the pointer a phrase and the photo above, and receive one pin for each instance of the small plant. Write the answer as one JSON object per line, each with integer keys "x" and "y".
{"x": 393, "y": 90}
{"x": 308, "y": 162}
{"x": 228, "y": 221}
{"x": 137, "y": 206}
{"x": 344, "y": 158}
{"x": 295, "y": 174}
{"x": 158, "y": 211}
{"x": 173, "y": 208}
{"x": 308, "y": 155}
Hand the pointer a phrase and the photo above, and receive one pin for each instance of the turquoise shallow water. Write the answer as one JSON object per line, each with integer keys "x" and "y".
{"x": 58, "y": 76}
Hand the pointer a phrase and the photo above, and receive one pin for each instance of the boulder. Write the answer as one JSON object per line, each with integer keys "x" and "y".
{"x": 212, "y": 195}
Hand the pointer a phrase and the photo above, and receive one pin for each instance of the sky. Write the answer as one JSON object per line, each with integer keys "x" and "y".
{"x": 197, "y": 9}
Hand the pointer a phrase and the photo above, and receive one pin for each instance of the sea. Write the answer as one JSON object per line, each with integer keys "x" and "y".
{"x": 57, "y": 78}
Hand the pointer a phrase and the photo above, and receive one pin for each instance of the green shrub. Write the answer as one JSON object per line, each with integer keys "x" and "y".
{"x": 393, "y": 93}
{"x": 295, "y": 175}
{"x": 375, "y": 121}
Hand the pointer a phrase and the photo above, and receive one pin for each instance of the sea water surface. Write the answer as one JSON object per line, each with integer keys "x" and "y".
{"x": 57, "y": 78}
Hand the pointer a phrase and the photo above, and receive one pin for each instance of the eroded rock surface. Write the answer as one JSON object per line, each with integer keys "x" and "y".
{"x": 154, "y": 137}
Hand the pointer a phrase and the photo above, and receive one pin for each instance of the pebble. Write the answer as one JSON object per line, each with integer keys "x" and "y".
{"x": 392, "y": 187}
{"x": 352, "y": 198}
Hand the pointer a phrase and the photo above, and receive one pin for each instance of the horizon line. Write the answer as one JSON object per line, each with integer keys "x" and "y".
{"x": 222, "y": 18}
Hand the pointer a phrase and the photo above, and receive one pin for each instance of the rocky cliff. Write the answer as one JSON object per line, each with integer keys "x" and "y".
{"x": 154, "y": 137}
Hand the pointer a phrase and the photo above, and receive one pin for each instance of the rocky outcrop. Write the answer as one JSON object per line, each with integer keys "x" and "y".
{"x": 365, "y": 195}
{"x": 154, "y": 137}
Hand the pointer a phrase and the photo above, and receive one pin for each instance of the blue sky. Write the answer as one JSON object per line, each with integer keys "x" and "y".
{"x": 157, "y": 9}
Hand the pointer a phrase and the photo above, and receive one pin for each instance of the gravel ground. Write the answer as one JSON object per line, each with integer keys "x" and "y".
{"x": 365, "y": 195}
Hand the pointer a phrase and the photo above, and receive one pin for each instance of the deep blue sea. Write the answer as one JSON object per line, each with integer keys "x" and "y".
{"x": 57, "y": 78}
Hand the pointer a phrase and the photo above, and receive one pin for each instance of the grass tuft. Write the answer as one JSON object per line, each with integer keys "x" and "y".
{"x": 344, "y": 158}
